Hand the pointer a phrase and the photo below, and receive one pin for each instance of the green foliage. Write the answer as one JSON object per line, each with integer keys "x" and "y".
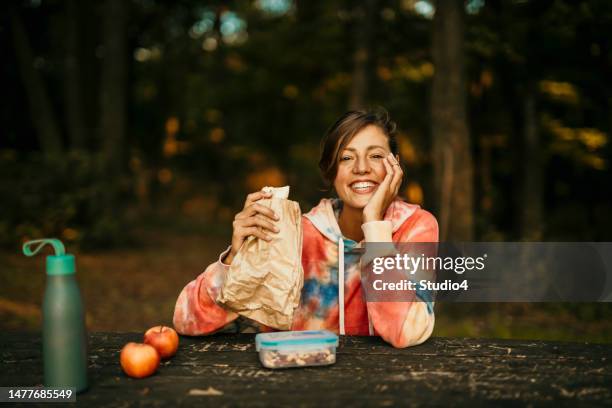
{"x": 543, "y": 321}
{"x": 252, "y": 104}
{"x": 65, "y": 196}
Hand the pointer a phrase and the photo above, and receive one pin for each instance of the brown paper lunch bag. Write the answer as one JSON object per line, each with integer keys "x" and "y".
{"x": 265, "y": 279}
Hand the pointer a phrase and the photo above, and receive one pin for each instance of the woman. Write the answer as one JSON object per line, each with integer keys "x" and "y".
{"x": 360, "y": 159}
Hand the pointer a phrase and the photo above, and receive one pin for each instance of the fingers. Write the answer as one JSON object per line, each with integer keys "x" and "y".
{"x": 398, "y": 173}
{"x": 261, "y": 221}
{"x": 258, "y": 195}
{"x": 256, "y": 220}
{"x": 257, "y": 233}
{"x": 393, "y": 178}
{"x": 260, "y": 209}
{"x": 390, "y": 172}
{"x": 253, "y": 226}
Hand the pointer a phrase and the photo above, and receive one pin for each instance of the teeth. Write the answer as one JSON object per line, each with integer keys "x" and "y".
{"x": 362, "y": 185}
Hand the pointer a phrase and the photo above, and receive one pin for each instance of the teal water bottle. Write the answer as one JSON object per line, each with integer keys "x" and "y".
{"x": 64, "y": 335}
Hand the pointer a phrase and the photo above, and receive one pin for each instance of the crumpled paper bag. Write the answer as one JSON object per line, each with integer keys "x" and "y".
{"x": 265, "y": 279}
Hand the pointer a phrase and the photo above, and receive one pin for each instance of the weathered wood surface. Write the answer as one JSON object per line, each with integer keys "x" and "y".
{"x": 368, "y": 372}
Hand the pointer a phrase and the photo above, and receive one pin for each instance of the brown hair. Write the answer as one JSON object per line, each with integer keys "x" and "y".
{"x": 342, "y": 132}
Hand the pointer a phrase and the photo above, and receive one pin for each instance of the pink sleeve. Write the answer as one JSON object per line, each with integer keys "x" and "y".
{"x": 196, "y": 312}
{"x": 404, "y": 324}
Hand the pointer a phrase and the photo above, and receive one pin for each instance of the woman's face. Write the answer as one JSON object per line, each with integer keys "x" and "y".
{"x": 360, "y": 167}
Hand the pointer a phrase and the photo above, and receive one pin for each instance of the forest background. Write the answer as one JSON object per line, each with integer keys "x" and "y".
{"x": 133, "y": 130}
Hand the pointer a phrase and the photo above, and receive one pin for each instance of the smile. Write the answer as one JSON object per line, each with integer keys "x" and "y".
{"x": 363, "y": 187}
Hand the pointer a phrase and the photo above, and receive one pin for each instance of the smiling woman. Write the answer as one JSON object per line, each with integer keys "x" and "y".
{"x": 359, "y": 155}
{"x": 359, "y": 158}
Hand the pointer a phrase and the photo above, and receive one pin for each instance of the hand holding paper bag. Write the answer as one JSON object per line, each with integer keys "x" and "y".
{"x": 265, "y": 278}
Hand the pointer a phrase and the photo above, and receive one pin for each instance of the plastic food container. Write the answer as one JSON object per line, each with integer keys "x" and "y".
{"x": 296, "y": 348}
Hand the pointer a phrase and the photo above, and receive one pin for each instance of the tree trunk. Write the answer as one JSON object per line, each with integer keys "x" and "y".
{"x": 72, "y": 78}
{"x": 113, "y": 85}
{"x": 41, "y": 109}
{"x": 90, "y": 71}
{"x": 531, "y": 211}
{"x": 363, "y": 25}
{"x": 452, "y": 154}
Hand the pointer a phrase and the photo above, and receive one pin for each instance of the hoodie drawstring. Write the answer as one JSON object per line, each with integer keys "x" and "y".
{"x": 341, "y": 283}
{"x": 341, "y": 290}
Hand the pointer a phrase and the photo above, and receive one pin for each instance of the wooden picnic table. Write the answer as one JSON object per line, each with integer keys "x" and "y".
{"x": 224, "y": 370}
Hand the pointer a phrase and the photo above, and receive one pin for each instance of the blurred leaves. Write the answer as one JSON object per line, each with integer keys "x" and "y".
{"x": 62, "y": 196}
{"x": 583, "y": 145}
{"x": 225, "y": 97}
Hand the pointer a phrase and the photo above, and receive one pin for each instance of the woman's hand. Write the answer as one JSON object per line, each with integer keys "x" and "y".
{"x": 386, "y": 192}
{"x": 254, "y": 219}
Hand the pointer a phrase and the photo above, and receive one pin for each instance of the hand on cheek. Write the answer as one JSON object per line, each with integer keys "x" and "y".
{"x": 398, "y": 174}
{"x": 386, "y": 192}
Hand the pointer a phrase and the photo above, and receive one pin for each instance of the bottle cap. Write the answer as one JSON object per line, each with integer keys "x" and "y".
{"x": 59, "y": 264}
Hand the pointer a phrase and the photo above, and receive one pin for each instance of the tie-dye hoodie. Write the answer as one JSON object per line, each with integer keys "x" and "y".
{"x": 325, "y": 252}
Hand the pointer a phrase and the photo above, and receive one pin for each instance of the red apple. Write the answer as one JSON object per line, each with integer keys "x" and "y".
{"x": 139, "y": 360}
{"x": 164, "y": 339}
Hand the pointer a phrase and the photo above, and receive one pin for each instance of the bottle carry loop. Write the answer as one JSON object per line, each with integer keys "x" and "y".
{"x": 58, "y": 246}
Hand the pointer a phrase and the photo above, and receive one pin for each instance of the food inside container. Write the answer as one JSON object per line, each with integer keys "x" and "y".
{"x": 296, "y": 348}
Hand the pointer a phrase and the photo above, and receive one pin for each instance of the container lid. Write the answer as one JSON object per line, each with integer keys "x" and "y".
{"x": 295, "y": 338}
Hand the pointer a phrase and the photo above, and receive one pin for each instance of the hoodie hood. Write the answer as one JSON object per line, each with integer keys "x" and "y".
{"x": 323, "y": 216}
{"x": 324, "y": 219}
